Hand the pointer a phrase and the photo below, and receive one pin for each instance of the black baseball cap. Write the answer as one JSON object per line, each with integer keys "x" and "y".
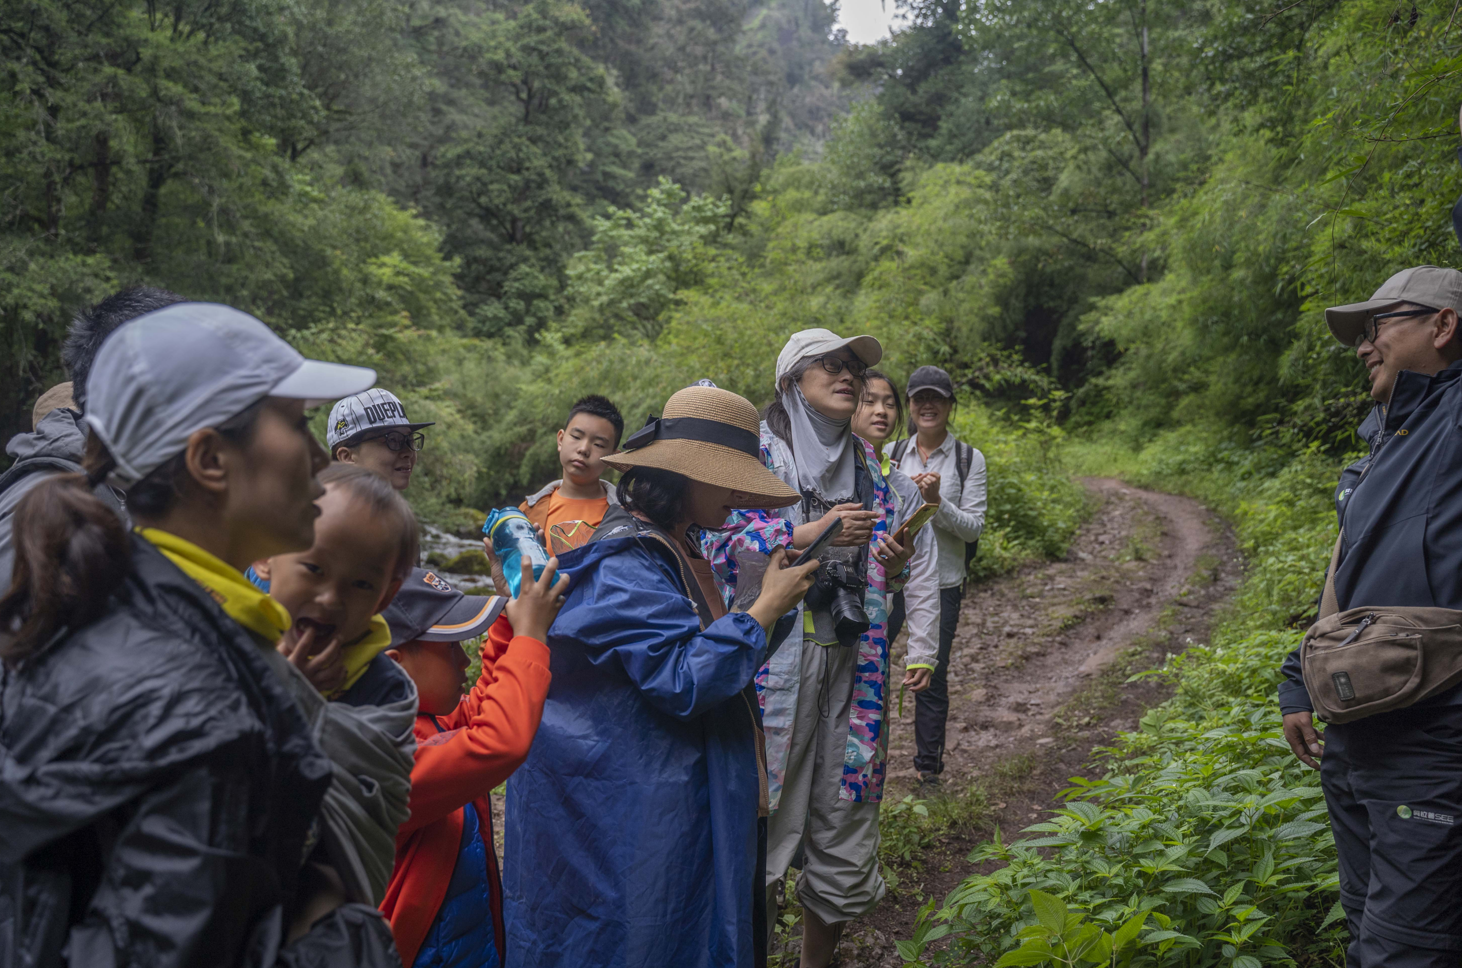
{"x": 931, "y": 378}
{"x": 429, "y": 609}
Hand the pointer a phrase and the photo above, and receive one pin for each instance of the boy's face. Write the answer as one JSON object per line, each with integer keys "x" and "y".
{"x": 347, "y": 576}
{"x": 582, "y": 447}
{"x": 439, "y": 670}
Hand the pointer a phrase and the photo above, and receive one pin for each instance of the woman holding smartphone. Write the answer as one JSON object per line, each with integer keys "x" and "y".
{"x": 951, "y": 474}
{"x": 632, "y": 832}
{"x": 878, "y": 418}
{"x": 823, "y": 691}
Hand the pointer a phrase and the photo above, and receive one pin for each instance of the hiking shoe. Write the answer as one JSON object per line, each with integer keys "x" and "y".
{"x": 929, "y": 784}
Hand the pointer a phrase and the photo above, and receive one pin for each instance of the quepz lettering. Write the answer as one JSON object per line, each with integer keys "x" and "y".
{"x": 382, "y": 412}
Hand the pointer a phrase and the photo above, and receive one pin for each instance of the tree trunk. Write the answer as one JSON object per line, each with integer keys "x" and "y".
{"x": 157, "y": 175}
{"x": 1145, "y": 142}
{"x": 101, "y": 183}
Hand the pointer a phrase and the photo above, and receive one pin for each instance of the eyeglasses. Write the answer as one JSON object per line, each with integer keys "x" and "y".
{"x": 835, "y": 365}
{"x": 396, "y": 441}
{"x": 1373, "y": 323}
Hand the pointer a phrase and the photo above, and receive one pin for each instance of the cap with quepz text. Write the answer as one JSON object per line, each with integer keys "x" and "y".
{"x": 429, "y": 609}
{"x": 376, "y": 409}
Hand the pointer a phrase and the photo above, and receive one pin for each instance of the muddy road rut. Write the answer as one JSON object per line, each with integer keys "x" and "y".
{"x": 1037, "y": 681}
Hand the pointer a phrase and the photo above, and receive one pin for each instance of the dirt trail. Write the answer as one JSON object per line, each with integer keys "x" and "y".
{"x": 1037, "y": 678}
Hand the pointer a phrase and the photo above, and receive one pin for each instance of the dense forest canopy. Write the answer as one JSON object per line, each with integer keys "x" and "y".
{"x": 1130, "y": 211}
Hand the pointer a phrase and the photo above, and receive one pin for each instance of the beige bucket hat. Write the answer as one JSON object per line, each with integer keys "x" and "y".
{"x": 712, "y": 436}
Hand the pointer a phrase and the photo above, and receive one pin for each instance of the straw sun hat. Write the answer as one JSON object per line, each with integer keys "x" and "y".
{"x": 712, "y": 436}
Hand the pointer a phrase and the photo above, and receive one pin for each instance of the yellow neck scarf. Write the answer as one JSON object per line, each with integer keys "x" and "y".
{"x": 235, "y": 594}
{"x": 254, "y": 609}
{"x": 359, "y": 653}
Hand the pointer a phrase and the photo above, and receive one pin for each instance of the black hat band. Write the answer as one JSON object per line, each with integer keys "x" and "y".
{"x": 695, "y": 428}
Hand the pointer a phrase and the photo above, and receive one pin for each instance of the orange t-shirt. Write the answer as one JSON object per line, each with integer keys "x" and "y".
{"x": 570, "y": 523}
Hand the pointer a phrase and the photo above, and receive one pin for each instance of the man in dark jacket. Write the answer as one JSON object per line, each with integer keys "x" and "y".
{"x": 1393, "y": 781}
{"x": 57, "y": 442}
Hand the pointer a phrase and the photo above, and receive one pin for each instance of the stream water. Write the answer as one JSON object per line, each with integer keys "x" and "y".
{"x": 441, "y": 546}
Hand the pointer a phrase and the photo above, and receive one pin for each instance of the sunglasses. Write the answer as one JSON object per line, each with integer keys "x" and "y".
{"x": 396, "y": 441}
{"x": 1373, "y": 323}
{"x": 836, "y": 365}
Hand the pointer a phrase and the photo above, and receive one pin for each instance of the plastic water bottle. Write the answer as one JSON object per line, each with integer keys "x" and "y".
{"x": 513, "y": 538}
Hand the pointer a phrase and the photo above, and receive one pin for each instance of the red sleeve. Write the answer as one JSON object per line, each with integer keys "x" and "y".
{"x": 488, "y": 736}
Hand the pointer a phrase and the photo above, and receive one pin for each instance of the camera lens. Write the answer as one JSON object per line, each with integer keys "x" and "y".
{"x": 849, "y": 619}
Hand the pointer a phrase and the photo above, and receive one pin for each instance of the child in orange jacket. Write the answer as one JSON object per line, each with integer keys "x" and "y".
{"x": 444, "y": 900}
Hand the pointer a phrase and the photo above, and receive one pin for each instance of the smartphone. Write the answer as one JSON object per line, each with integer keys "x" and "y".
{"x": 820, "y": 542}
{"x": 911, "y": 527}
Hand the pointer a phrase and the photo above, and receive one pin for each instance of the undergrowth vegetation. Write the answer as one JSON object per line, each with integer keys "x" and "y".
{"x": 1204, "y": 832}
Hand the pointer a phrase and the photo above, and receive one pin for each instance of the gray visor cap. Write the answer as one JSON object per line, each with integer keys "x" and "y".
{"x": 163, "y": 376}
{"x": 1429, "y": 286}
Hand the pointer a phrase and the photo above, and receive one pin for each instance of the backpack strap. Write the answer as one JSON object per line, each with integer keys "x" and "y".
{"x": 900, "y": 447}
{"x": 964, "y": 459}
{"x": 687, "y": 577}
{"x": 31, "y": 465}
{"x": 1329, "y": 604}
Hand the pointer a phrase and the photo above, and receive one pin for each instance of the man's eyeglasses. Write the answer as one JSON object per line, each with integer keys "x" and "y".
{"x": 835, "y": 365}
{"x": 1373, "y": 323}
{"x": 396, "y": 441}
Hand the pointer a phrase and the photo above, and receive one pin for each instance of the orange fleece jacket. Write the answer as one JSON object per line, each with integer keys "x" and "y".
{"x": 461, "y": 758}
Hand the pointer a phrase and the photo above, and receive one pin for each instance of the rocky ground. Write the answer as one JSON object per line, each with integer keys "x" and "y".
{"x": 1038, "y": 680}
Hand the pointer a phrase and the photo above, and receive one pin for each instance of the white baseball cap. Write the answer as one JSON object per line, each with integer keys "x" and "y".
{"x": 820, "y": 342}
{"x": 375, "y": 409}
{"x": 189, "y": 366}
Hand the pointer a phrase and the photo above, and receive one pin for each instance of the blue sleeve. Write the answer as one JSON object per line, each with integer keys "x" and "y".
{"x": 1293, "y": 696}
{"x": 629, "y": 614}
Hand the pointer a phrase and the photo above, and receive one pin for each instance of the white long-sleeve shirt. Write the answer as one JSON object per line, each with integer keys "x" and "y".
{"x": 921, "y": 593}
{"x": 961, "y": 515}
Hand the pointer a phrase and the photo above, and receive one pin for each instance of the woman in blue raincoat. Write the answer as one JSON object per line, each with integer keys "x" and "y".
{"x": 632, "y": 827}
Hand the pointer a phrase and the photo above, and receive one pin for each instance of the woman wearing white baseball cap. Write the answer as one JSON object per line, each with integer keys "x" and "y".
{"x": 823, "y": 694}
{"x": 160, "y": 786}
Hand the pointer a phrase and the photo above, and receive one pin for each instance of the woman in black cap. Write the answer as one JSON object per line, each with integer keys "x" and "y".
{"x": 951, "y": 474}
{"x": 160, "y": 790}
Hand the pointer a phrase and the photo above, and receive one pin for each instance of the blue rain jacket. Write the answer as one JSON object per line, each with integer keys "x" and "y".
{"x": 631, "y": 829}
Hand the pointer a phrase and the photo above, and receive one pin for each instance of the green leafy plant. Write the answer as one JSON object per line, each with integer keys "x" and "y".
{"x": 1064, "y": 937}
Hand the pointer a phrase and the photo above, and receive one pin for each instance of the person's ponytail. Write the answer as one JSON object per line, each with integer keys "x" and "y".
{"x": 71, "y": 554}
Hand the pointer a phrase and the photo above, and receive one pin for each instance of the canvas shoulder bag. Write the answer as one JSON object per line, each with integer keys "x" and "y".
{"x": 1369, "y": 660}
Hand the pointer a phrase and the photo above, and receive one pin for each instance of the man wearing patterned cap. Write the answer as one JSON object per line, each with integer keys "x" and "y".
{"x": 371, "y": 429}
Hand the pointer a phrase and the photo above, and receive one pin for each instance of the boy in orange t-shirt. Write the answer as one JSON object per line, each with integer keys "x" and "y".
{"x": 569, "y": 509}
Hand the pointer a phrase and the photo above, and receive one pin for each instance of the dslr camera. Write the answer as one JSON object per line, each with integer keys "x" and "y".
{"x": 839, "y": 589}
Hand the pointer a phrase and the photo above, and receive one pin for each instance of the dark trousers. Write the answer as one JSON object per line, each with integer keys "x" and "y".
{"x": 1393, "y": 784}
{"x": 931, "y": 707}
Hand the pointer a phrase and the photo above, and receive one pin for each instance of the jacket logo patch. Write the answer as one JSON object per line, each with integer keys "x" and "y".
{"x": 440, "y": 584}
{"x": 1407, "y": 813}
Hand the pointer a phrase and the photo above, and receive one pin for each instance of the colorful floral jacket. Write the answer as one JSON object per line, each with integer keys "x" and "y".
{"x": 779, "y": 680}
